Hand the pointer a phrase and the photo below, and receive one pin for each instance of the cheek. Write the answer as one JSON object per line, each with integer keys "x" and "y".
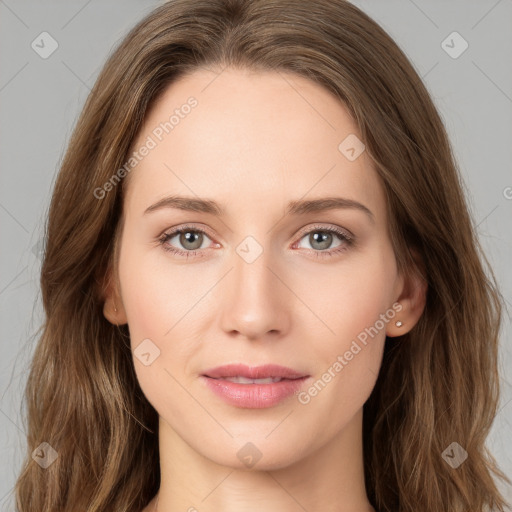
{"x": 141, "y": 290}
{"x": 153, "y": 307}
{"x": 351, "y": 299}
{"x": 159, "y": 303}
{"x": 355, "y": 306}
{"x": 153, "y": 297}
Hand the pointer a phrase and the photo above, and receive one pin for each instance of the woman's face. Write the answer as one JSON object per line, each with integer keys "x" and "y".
{"x": 266, "y": 282}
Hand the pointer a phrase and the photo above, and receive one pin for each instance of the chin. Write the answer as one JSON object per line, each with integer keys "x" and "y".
{"x": 253, "y": 453}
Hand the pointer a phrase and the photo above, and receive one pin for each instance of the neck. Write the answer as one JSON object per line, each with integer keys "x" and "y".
{"x": 330, "y": 479}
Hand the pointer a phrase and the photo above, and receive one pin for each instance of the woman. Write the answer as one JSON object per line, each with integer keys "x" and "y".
{"x": 328, "y": 340}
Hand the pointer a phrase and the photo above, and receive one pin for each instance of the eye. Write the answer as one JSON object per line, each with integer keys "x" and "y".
{"x": 190, "y": 238}
{"x": 320, "y": 238}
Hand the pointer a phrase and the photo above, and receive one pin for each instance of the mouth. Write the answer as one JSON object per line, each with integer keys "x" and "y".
{"x": 244, "y": 374}
{"x": 254, "y": 387}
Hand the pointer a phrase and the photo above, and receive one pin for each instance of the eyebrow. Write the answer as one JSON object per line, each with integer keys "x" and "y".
{"x": 300, "y": 207}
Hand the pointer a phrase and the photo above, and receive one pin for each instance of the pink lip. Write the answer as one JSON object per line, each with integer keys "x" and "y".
{"x": 253, "y": 396}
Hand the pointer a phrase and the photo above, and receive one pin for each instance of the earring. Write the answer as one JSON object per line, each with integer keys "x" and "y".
{"x": 398, "y": 323}
{"x": 115, "y": 309}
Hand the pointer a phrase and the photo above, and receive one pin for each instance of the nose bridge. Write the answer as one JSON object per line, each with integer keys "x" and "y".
{"x": 254, "y": 305}
{"x": 251, "y": 272}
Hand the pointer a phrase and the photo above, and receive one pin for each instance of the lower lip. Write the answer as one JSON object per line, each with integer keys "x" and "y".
{"x": 254, "y": 396}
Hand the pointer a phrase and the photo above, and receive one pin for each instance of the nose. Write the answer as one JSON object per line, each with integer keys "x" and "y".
{"x": 257, "y": 303}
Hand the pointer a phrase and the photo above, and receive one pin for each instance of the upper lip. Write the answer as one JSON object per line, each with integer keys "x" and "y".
{"x": 253, "y": 372}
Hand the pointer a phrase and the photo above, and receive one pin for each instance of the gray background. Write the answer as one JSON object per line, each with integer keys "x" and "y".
{"x": 41, "y": 98}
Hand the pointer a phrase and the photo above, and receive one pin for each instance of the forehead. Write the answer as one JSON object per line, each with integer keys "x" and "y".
{"x": 250, "y": 138}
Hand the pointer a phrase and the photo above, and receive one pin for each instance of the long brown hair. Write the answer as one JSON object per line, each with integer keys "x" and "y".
{"x": 438, "y": 383}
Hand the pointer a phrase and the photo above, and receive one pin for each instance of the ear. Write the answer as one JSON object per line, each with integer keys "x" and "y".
{"x": 113, "y": 308}
{"x": 412, "y": 296}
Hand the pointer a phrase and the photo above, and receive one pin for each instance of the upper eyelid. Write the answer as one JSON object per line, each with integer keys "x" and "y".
{"x": 318, "y": 227}
{"x": 174, "y": 231}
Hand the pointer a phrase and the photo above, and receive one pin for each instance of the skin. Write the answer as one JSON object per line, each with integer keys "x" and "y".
{"x": 254, "y": 142}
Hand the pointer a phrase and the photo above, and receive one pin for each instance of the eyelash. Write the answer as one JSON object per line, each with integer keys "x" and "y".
{"x": 347, "y": 239}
